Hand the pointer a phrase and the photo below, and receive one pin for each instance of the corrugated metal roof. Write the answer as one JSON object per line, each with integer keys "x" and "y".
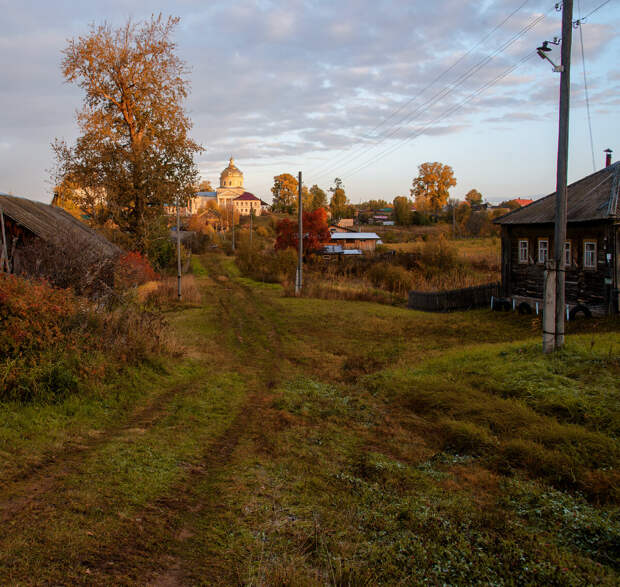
{"x": 53, "y": 224}
{"x": 594, "y": 197}
{"x": 206, "y": 194}
{"x": 355, "y": 236}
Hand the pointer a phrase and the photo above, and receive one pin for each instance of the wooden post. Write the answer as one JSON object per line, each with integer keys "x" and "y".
{"x": 298, "y": 278}
{"x": 562, "y": 175}
{"x": 178, "y": 250}
{"x": 4, "y": 256}
{"x": 549, "y": 296}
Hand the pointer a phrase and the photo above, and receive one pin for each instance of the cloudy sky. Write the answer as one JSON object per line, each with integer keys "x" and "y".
{"x": 365, "y": 90}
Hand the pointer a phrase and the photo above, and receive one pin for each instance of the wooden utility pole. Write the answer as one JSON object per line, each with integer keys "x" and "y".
{"x": 559, "y": 266}
{"x": 178, "y": 250}
{"x": 251, "y": 216}
{"x": 298, "y": 277}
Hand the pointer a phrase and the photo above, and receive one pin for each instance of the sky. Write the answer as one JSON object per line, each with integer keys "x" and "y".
{"x": 363, "y": 90}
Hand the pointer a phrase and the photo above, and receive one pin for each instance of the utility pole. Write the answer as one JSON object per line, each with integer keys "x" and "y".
{"x": 233, "y": 224}
{"x": 298, "y": 277}
{"x": 251, "y": 216}
{"x": 178, "y": 250}
{"x": 557, "y": 268}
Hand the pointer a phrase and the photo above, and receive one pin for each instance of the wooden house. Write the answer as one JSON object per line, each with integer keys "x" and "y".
{"x": 363, "y": 241}
{"x": 591, "y": 250}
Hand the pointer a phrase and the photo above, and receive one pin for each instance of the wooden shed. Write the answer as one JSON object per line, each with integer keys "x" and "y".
{"x": 34, "y": 234}
{"x": 591, "y": 250}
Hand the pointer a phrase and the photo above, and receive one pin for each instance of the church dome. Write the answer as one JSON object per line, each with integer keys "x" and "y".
{"x": 231, "y": 176}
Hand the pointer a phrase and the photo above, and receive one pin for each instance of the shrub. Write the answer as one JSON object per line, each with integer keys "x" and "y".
{"x": 133, "y": 269}
{"x": 438, "y": 255}
{"x": 267, "y": 265}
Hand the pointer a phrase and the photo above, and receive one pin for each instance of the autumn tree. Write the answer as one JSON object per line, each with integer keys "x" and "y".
{"x": 315, "y": 231}
{"x": 339, "y": 202}
{"x": 431, "y": 186}
{"x": 284, "y": 192}
{"x": 134, "y": 153}
{"x": 204, "y": 186}
{"x": 473, "y": 198}
{"x": 402, "y": 210}
{"x": 319, "y": 198}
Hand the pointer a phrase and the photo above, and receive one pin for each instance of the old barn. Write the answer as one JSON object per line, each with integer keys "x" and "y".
{"x": 590, "y": 253}
{"x": 40, "y": 240}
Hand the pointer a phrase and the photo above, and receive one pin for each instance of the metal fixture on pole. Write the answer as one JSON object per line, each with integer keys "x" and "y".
{"x": 555, "y": 300}
{"x": 298, "y": 277}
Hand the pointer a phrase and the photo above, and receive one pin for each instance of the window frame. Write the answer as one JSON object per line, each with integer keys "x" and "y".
{"x": 526, "y": 260}
{"x": 590, "y": 241}
{"x": 568, "y": 248}
{"x": 539, "y": 250}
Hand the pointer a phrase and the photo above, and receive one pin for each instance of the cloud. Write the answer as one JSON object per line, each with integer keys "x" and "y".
{"x": 272, "y": 80}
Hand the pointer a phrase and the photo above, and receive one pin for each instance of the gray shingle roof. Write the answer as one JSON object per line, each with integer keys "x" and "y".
{"x": 53, "y": 224}
{"x": 594, "y": 197}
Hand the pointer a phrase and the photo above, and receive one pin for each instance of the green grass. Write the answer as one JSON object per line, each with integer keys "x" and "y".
{"x": 313, "y": 442}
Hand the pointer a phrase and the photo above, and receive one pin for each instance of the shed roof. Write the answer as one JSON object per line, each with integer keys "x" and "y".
{"x": 355, "y": 236}
{"x": 53, "y": 224}
{"x": 594, "y": 197}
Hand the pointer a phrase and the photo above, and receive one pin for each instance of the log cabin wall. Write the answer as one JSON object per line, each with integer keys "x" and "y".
{"x": 594, "y": 286}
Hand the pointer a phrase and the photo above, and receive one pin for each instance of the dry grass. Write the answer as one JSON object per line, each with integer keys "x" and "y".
{"x": 162, "y": 294}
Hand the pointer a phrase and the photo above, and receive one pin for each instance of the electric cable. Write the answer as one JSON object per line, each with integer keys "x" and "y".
{"x": 585, "y": 87}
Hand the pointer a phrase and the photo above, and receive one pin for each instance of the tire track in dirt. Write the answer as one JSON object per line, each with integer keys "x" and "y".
{"x": 25, "y": 491}
{"x": 162, "y": 517}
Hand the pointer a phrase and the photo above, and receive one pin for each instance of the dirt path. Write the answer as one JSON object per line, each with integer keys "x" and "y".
{"x": 148, "y": 547}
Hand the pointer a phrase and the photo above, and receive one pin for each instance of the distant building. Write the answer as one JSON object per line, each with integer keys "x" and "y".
{"x": 230, "y": 193}
{"x": 364, "y": 241}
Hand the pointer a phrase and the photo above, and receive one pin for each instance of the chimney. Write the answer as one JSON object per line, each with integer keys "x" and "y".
{"x": 608, "y": 153}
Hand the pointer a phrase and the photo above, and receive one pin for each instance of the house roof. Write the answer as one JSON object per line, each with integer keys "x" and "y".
{"x": 523, "y": 201}
{"x": 246, "y": 196}
{"x": 53, "y": 224}
{"x": 206, "y": 194}
{"x": 356, "y": 236}
{"x": 594, "y": 197}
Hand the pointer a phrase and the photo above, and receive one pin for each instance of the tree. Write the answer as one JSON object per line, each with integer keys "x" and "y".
{"x": 134, "y": 154}
{"x": 204, "y": 186}
{"x": 315, "y": 230}
{"x": 338, "y": 203}
{"x": 319, "y": 198}
{"x": 431, "y": 187}
{"x": 473, "y": 198}
{"x": 402, "y": 210}
{"x": 284, "y": 192}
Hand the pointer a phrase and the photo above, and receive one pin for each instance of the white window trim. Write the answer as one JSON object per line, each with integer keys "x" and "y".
{"x": 526, "y": 249}
{"x": 592, "y": 242}
{"x": 542, "y": 261}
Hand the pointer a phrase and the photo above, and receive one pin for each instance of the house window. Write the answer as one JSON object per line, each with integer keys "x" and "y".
{"x": 568, "y": 254}
{"x": 589, "y": 254}
{"x": 524, "y": 252}
{"x": 543, "y": 250}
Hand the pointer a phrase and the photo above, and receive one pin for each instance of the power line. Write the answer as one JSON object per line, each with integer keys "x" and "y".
{"x": 429, "y": 85}
{"x": 447, "y": 90}
{"x": 444, "y": 115}
{"x": 595, "y": 10}
{"x": 585, "y": 86}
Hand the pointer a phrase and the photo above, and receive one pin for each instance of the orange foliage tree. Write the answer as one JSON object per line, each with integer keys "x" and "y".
{"x": 315, "y": 231}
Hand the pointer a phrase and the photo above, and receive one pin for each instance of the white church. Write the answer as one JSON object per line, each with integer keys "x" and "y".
{"x": 230, "y": 194}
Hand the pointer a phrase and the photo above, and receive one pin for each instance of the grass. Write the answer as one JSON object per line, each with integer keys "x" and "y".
{"x": 309, "y": 442}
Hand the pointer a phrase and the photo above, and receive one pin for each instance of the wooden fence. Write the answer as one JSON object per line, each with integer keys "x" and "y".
{"x": 456, "y": 299}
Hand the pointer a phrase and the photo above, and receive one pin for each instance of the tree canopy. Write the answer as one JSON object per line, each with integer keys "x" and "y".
{"x": 431, "y": 186}
{"x": 402, "y": 210}
{"x": 473, "y": 198}
{"x": 315, "y": 231}
{"x": 339, "y": 202}
{"x": 319, "y": 198}
{"x": 284, "y": 192}
{"x": 134, "y": 154}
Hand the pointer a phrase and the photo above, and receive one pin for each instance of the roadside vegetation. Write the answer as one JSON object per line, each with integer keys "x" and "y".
{"x": 311, "y": 441}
